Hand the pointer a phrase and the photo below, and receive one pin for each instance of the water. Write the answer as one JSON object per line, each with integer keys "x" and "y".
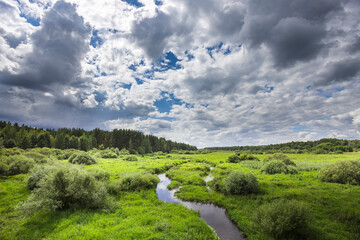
{"x": 214, "y": 216}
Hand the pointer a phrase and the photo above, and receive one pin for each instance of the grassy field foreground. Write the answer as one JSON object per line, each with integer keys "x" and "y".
{"x": 333, "y": 208}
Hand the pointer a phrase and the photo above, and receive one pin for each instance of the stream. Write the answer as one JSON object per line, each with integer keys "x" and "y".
{"x": 214, "y": 216}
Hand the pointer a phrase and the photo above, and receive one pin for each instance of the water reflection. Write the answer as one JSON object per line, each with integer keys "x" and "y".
{"x": 214, "y": 216}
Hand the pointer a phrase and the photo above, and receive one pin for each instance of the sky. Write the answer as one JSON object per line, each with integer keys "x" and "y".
{"x": 208, "y": 73}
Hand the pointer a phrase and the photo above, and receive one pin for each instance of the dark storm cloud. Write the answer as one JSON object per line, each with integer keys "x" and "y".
{"x": 294, "y": 39}
{"x": 59, "y": 47}
{"x": 152, "y": 34}
{"x": 344, "y": 70}
{"x": 355, "y": 46}
{"x": 293, "y": 30}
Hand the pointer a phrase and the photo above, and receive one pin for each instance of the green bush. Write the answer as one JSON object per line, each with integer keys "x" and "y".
{"x": 291, "y": 169}
{"x": 12, "y": 151}
{"x": 136, "y": 181}
{"x": 15, "y": 164}
{"x": 124, "y": 152}
{"x": 37, "y": 157}
{"x": 100, "y": 174}
{"x": 107, "y": 153}
{"x": 64, "y": 187}
{"x": 282, "y": 219}
{"x": 250, "y": 157}
{"x": 274, "y": 167}
{"x": 233, "y": 159}
{"x": 345, "y": 172}
{"x": 66, "y": 154}
{"x": 81, "y": 158}
{"x": 241, "y": 183}
{"x": 38, "y": 173}
{"x": 130, "y": 158}
{"x": 281, "y": 157}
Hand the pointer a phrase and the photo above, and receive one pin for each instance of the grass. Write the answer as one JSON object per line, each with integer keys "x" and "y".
{"x": 333, "y": 207}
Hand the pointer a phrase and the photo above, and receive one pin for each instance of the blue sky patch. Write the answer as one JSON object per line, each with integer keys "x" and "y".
{"x": 134, "y": 3}
{"x": 95, "y": 39}
{"x": 269, "y": 88}
{"x": 126, "y": 86}
{"x": 170, "y": 61}
{"x": 139, "y": 81}
{"x": 158, "y": 3}
{"x": 328, "y": 93}
{"x": 166, "y": 102}
{"x": 299, "y": 128}
{"x": 215, "y": 48}
{"x": 33, "y": 21}
{"x": 99, "y": 96}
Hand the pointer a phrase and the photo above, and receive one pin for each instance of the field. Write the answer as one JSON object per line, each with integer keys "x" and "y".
{"x": 333, "y": 208}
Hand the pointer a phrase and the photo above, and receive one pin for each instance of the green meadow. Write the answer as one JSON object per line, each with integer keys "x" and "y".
{"x": 332, "y": 209}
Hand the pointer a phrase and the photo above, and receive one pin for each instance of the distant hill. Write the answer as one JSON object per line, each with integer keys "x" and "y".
{"x": 13, "y": 135}
{"x": 325, "y": 145}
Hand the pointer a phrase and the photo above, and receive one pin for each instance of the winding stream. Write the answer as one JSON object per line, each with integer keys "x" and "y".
{"x": 214, "y": 216}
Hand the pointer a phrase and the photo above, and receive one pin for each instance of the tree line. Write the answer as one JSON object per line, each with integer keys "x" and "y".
{"x": 14, "y": 135}
{"x": 322, "y": 146}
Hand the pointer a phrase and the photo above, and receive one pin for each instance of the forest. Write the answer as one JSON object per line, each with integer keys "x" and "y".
{"x": 322, "y": 146}
{"x": 13, "y": 135}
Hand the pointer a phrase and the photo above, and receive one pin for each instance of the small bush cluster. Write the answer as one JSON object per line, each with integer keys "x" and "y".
{"x": 241, "y": 183}
{"x": 278, "y": 166}
{"x": 37, "y": 157}
{"x": 282, "y": 219}
{"x": 345, "y": 172}
{"x": 15, "y": 164}
{"x": 100, "y": 174}
{"x": 134, "y": 181}
{"x": 233, "y": 159}
{"x": 61, "y": 187}
{"x": 281, "y": 157}
{"x": 107, "y": 153}
{"x": 241, "y": 157}
{"x": 81, "y": 158}
{"x": 130, "y": 158}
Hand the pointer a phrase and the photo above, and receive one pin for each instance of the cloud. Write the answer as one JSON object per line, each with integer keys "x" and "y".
{"x": 231, "y": 72}
{"x": 292, "y": 30}
{"x": 294, "y": 39}
{"x": 58, "y": 48}
{"x": 340, "y": 71}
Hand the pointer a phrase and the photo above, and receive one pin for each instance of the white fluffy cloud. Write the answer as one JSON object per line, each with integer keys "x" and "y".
{"x": 209, "y": 73}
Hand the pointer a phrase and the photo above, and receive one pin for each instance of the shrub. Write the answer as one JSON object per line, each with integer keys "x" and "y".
{"x": 124, "y": 152}
{"x": 244, "y": 157}
{"x": 281, "y": 157}
{"x": 241, "y": 183}
{"x": 38, "y": 173}
{"x": 108, "y": 154}
{"x": 291, "y": 169}
{"x": 282, "y": 218}
{"x": 81, "y": 158}
{"x": 14, "y": 165}
{"x": 341, "y": 172}
{"x": 65, "y": 154}
{"x": 233, "y": 159}
{"x": 274, "y": 166}
{"x": 137, "y": 181}
{"x": 12, "y": 151}
{"x": 64, "y": 187}
{"x": 100, "y": 174}
{"x": 130, "y": 158}
{"x": 277, "y": 166}
{"x": 37, "y": 157}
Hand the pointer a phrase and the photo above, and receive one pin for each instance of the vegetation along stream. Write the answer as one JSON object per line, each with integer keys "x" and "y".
{"x": 214, "y": 216}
